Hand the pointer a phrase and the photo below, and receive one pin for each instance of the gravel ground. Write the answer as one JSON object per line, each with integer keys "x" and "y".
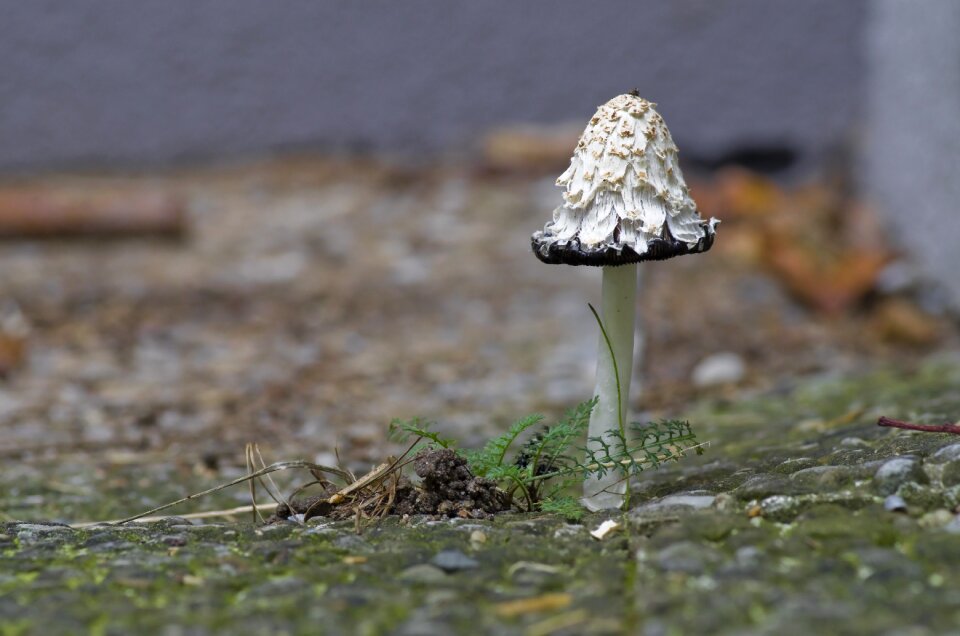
{"x": 313, "y": 301}
{"x": 802, "y": 517}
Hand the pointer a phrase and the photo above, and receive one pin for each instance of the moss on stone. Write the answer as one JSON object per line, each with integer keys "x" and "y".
{"x": 797, "y": 541}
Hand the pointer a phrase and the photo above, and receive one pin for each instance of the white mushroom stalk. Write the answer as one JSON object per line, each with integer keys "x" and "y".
{"x": 625, "y": 201}
{"x": 618, "y": 310}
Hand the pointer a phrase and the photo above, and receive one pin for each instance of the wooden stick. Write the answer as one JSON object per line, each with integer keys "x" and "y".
{"x": 34, "y": 213}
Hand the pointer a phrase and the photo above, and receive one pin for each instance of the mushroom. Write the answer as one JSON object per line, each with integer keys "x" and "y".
{"x": 625, "y": 201}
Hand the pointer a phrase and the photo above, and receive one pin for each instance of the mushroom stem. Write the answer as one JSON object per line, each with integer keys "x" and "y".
{"x": 618, "y": 314}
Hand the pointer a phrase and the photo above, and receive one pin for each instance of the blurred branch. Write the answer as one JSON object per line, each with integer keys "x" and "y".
{"x": 34, "y": 213}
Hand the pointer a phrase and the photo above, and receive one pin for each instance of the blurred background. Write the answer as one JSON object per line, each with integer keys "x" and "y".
{"x": 289, "y": 222}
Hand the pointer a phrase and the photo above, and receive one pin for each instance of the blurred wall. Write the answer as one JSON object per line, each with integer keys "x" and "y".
{"x": 119, "y": 82}
{"x": 912, "y": 156}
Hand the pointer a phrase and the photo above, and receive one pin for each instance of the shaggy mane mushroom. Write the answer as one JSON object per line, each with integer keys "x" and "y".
{"x": 625, "y": 201}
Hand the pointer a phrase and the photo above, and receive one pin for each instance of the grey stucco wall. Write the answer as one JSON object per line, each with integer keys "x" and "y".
{"x": 122, "y": 82}
{"x": 912, "y": 156}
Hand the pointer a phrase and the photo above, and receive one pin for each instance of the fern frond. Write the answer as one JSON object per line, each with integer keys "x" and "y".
{"x": 492, "y": 455}
{"x": 403, "y": 430}
{"x": 558, "y": 439}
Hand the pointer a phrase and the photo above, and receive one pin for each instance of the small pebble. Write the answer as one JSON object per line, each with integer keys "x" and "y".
{"x": 949, "y": 453}
{"x": 453, "y": 561}
{"x": 853, "y": 442}
{"x": 174, "y": 540}
{"x": 478, "y": 537}
{"x": 936, "y": 519}
{"x": 894, "y": 503}
{"x": 780, "y": 508}
{"x": 895, "y": 472}
{"x": 423, "y": 573}
{"x": 953, "y": 527}
{"x": 718, "y": 369}
{"x": 682, "y": 501}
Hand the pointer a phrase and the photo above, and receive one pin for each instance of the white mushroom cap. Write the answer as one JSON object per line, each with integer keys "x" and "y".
{"x": 624, "y": 191}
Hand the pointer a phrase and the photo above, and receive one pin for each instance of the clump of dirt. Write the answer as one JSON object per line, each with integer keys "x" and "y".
{"x": 447, "y": 488}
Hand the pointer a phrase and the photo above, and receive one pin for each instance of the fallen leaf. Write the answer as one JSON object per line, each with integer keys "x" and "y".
{"x": 544, "y": 603}
{"x": 554, "y": 624}
{"x": 899, "y": 321}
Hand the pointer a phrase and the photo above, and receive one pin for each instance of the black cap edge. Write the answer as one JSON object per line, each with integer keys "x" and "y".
{"x": 573, "y": 253}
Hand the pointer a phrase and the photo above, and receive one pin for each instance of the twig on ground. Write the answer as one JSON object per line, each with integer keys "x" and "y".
{"x": 926, "y": 428}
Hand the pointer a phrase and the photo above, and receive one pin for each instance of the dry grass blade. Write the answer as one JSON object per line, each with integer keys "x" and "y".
{"x": 273, "y": 491}
{"x": 206, "y": 514}
{"x": 336, "y": 453}
{"x": 248, "y": 456}
{"x": 371, "y": 481}
{"x": 272, "y": 468}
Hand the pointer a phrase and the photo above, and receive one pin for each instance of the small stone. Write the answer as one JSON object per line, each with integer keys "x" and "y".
{"x": 894, "y": 503}
{"x": 718, "y": 369}
{"x": 725, "y": 502}
{"x": 853, "y": 442}
{"x": 949, "y": 453}
{"x": 921, "y": 497}
{"x": 936, "y": 519}
{"x": 951, "y": 498}
{"x": 950, "y": 474}
{"x": 712, "y": 526}
{"x": 953, "y": 527}
{"x": 944, "y": 465}
{"x": 895, "y": 472}
{"x": 695, "y": 502}
{"x": 763, "y": 485}
{"x": 32, "y": 533}
{"x": 478, "y": 537}
{"x": 453, "y": 561}
{"x": 794, "y": 464}
{"x": 42, "y": 527}
{"x": 748, "y": 555}
{"x": 568, "y": 530}
{"x": 687, "y": 557}
{"x": 782, "y": 508}
{"x": 174, "y": 540}
{"x": 423, "y": 573}
{"x": 820, "y": 478}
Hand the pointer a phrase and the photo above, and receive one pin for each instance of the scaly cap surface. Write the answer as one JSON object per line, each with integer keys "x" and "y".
{"x": 625, "y": 199}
